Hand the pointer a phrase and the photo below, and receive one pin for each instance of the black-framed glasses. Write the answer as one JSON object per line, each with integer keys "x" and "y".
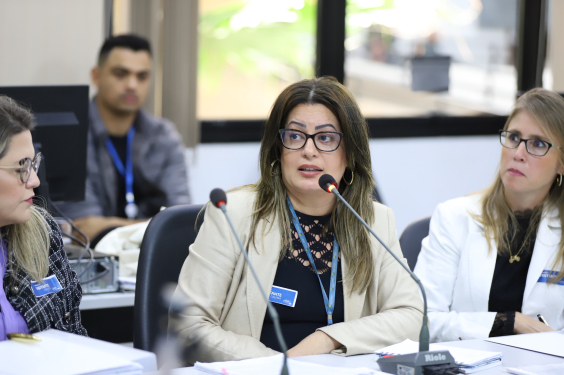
{"x": 26, "y": 165}
{"x": 324, "y": 141}
{"x": 534, "y": 146}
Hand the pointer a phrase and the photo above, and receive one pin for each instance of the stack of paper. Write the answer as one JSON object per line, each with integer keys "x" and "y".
{"x": 57, "y": 356}
{"x": 469, "y": 360}
{"x": 273, "y": 365}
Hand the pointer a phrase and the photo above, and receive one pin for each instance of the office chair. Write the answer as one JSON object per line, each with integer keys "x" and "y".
{"x": 410, "y": 240}
{"x": 163, "y": 252}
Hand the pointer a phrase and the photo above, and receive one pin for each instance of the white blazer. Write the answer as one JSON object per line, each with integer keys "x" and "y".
{"x": 457, "y": 270}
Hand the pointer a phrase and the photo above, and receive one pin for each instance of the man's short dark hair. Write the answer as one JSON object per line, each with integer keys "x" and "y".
{"x": 130, "y": 41}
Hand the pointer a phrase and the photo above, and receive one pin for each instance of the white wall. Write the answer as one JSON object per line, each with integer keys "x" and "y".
{"x": 413, "y": 174}
{"x": 51, "y": 42}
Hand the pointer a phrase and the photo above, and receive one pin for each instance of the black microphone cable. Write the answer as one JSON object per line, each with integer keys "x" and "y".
{"x": 86, "y": 246}
{"x": 86, "y": 243}
{"x": 219, "y": 199}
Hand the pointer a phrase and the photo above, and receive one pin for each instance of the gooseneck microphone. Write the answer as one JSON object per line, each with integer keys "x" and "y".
{"x": 219, "y": 200}
{"x": 328, "y": 183}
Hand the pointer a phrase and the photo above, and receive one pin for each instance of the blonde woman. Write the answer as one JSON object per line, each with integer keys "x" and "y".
{"x": 315, "y": 127}
{"x": 38, "y": 288}
{"x": 492, "y": 263}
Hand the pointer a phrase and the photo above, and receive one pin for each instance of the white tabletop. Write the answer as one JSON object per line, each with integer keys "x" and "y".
{"x": 513, "y": 357}
{"x": 56, "y": 346}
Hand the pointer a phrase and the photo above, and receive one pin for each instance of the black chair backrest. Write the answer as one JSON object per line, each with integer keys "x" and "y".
{"x": 410, "y": 240}
{"x": 163, "y": 252}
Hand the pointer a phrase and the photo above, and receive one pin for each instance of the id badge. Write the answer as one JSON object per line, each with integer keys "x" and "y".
{"x": 283, "y": 296}
{"x": 47, "y": 286}
{"x": 547, "y": 275}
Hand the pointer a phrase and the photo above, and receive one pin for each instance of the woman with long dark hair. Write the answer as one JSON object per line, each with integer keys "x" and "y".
{"x": 300, "y": 240}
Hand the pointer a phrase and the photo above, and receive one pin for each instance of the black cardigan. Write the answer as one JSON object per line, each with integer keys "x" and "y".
{"x": 58, "y": 310}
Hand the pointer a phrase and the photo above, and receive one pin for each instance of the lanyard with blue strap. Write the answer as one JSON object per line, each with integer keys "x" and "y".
{"x": 329, "y": 302}
{"x": 131, "y": 208}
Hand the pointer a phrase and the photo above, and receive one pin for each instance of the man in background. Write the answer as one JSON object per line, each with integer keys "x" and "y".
{"x": 135, "y": 161}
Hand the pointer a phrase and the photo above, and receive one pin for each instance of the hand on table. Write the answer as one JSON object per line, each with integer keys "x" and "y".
{"x": 526, "y": 324}
{"x": 316, "y": 343}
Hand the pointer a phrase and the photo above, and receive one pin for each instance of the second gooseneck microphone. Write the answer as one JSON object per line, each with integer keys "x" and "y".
{"x": 219, "y": 200}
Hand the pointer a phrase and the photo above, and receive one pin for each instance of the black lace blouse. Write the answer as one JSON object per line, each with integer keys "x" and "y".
{"x": 295, "y": 272}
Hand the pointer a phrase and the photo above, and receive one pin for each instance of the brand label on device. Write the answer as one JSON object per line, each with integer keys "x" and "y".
{"x": 47, "y": 286}
{"x": 283, "y": 296}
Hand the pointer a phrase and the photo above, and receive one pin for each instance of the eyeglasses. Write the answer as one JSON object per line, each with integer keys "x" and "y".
{"x": 26, "y": 165}
{"x": 536, "y": 147}
{"x": 323, "y": 141}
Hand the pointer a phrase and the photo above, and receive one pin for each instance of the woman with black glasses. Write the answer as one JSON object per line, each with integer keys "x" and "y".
{"x": 38, "y": 288}
{"x": 307, "y": 249}
{"x": 492, "y": 264}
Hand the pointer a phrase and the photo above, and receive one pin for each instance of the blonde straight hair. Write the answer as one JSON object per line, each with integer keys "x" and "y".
{"x": 547, "y": 108}
{"x": 27, "y": 243}
{"x": 353, "y": 238}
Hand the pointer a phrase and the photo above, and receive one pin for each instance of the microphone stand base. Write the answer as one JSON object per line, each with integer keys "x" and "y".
{"x": 415, "y": 363}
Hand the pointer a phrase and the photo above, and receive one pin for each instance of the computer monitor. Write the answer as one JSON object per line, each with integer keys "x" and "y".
{"x": 60, "y": 135}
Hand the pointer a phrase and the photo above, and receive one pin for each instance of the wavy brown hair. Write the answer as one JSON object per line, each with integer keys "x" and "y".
{"x": 353, "y": 238}
{"x": 28, "y": 243}
{"x": 547, "y": 108}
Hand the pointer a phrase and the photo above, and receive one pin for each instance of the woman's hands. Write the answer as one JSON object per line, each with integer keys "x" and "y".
{"x": 316, "y": 343}
{"x": 526, "y": 324}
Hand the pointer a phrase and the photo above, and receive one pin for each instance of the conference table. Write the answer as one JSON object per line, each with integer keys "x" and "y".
{"x": 513, "y": 357}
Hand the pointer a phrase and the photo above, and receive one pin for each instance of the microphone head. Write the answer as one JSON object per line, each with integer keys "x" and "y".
{"x": 218, "y": 197}
{"x": 327, "y": 183}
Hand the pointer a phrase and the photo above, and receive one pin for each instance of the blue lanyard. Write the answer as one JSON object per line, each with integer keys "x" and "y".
{"x": 127, "y": 171}
{"x": 329, "y": 302}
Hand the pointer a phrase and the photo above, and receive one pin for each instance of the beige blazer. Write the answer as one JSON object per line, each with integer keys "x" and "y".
{"x": 226, "y": 311}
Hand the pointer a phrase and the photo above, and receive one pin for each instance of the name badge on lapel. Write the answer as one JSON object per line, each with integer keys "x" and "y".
{"x": 547, "y": 275}
{"x": 283, "y": 296}
{"x": 47, "y": 286}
